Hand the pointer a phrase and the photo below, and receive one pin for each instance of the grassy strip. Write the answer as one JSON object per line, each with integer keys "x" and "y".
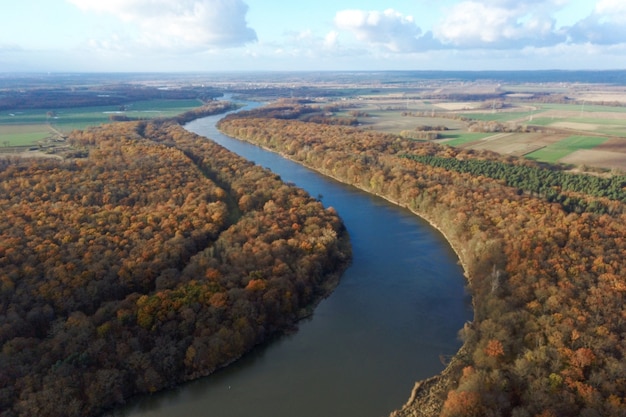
{"x": 556, "y": 151}
{"x": 600, "y": 122}
{"x": 548, "y": 155}
{"x": 457, "y": 139}
{"x": 578, "y": 107}
{"x": 496, "y": 117}
{"x": 602, "y": 126}
{"x": 546, "y": 121}
{"x": 22, "y": 139}
{"x": 23, "y": 135}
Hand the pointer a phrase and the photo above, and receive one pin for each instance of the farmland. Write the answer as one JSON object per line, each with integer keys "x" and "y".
{"x": 563, "y": 124}
{"x": 41, "y": 133}
{"x": 22, "y": 134}
{"x": 544, "y": 121}
{"x": 28, "y": 126}
{"x": 35, "y": 115}
{"x": 556, "y": 151}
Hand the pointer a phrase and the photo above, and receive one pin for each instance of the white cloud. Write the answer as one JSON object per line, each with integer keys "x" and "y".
{"x": 331, "y": 39}
{"x": 500, "y": 24}
{"x": 307, "y": 44}
{"x": 615, "y": 9}
{"x": 390, "y": 29}
{"x": 515, "y": 24}
{"x": 181, "y": 24}
{"x": 605, "y": 26}
{"x": 470, "y": 34}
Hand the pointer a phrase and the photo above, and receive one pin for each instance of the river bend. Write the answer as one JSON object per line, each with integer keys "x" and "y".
{"x": 396, "y": 311}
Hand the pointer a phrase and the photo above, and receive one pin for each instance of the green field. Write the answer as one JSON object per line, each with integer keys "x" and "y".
{"x": 501, "y": 116}
{"x": 613, "y": 127}
{"x": 613, "y": 131}
{"x": 556, "y": 151}
{"x": 584, "y": 115}
{"x": 591, "y": 108}
{"x": 547, "y": 121}
{"x": 22, "y": 135}
{"x": 457, "y": 139}
{"x": 392, "y": 121}
{"x": 26, "y": 127}
{"x": 598, "y": 121}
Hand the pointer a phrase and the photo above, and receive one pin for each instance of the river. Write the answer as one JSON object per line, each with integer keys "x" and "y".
{"x": 396, "y": 311}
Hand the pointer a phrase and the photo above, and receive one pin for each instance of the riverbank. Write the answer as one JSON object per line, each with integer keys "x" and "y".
{"x": 542, "y": 267}
{"x": 427, "y": 396}
{"x": 396, "y": 311}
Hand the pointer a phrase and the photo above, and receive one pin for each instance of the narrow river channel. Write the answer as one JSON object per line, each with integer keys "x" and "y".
{"x": 396, "y": 311}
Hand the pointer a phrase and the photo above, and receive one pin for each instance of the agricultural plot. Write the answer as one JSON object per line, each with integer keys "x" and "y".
{"x": 457, "y": 106}
{"x": 22, "y": 135}
{"x": 393, "y": 121}
{"x": 460, "y": 139}
{"x": 26, "y": 127}
{"x": 498, "y": 116}
{"x": 597, "y": 158}
{"x": 582, "y": 108}
{"x": 610, "y": 154}
{"x": 517, "y": 144}
{"x": 615, "y": 95}
{"x": 560, "y": 145}
{"x": 605, "y": 120}
{"x": 604, "y": 126}
{"x": 567, "y": 143}
{"x": 559, "y": 150}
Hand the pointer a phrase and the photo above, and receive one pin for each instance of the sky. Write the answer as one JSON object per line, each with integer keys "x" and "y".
{"x": 273, "y": 35}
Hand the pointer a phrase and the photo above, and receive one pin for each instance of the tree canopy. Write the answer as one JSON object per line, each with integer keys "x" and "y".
{"x": 544, "y": 252}
{"x": 155, "y": 259}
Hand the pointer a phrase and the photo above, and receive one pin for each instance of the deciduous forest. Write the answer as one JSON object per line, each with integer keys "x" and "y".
{"x": 157, "y": 258}
{"x": 543, "y": 251}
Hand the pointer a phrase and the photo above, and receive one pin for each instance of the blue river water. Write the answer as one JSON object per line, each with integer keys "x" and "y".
{"x": 396, "y": 311}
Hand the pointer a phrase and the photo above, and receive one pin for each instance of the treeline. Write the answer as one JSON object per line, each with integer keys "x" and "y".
{"x": 156, "y": 259}
{"x": 114, "y": 94}
{"x": 298, "y": 109}
{"x": 420, "y": 134}
{"x": 424, "y": 132}
{"x": 488, "y": 126}
{"x": 547, "y": 183}
{"x": 449, "y": 96}
{"x": 205, "y": 110}
{"x": 491, "y": 126}
{"x": 548, "y": 285}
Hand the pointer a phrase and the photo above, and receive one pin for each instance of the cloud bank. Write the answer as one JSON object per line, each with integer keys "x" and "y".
{"x": 605, "y": 26}
{"x": 455, "y": 33}
{"x": 499, "y": 24}
{"x": 180, "y": 24}
{"x": 487, "y": 24}
{"x": 389, "y": 28}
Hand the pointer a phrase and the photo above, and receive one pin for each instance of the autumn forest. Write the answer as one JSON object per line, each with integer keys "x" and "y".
{"x": 151, "y": 256}
{"x": 544, "y": 260}
{"x": 157, "y": 258}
